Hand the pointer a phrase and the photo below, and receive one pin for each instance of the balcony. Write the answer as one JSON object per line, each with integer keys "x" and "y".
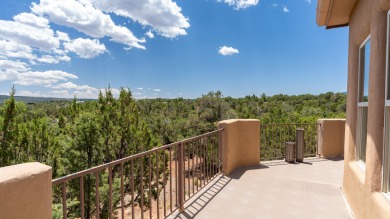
{"x": 274, "y": 189}
{"x": 214, "y": 175}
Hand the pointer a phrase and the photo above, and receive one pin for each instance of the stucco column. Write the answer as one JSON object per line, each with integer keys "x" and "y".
{"x": 374, "y": 148}
{"x": 240, "y": 143}
{"x": 352, "y": 92}
{"x": 25, "y": 191}
{"x": 330, "y": 136}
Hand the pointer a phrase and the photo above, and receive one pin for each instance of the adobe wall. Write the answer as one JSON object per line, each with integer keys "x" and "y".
{"x": 240, "y": 143}
{"x": 330, "y": 136}
{"x": 26, "y": 191}
{"x": 362, "y": 186}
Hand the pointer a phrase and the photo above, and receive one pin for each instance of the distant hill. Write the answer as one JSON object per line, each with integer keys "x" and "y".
{"x": 26, "y": 99}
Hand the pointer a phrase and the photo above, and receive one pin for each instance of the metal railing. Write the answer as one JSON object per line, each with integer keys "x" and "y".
{"x": 274, "y": 136}
{"x": 159, "y": 181}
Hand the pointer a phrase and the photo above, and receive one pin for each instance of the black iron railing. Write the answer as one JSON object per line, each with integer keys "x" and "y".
{"x": 274, "y": 136}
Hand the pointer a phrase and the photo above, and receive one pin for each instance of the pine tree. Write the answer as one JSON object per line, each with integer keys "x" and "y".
{"x": 9, "y": 129}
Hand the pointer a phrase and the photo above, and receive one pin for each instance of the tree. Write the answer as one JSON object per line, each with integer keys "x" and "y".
{"x": 9, "y": 130}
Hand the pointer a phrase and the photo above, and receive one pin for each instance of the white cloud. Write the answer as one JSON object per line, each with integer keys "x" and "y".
{"x": 72, "y": 86}
{"x": 139, "y": 88}
{"x": 29, "y": 93}
{"x": 83, "y": 17}
{"x": 69, "y": 90}
{"x": 21, "y": 74}
{"x": 274, "y": 5}
{"x": 59, "y": 94}
{"x": 31, "y": 30}
{"x": 240, "y": 4}
{"x": 62, "y": 36}
{"x": 64, "y": 58}
{"x": 308, "y": 1}
{"x": 137, "y": 93}
{"x": 86, "y": 48}
{"x": 164, "y": 16}
{"x": 157, "y": 90}
{"x": 31, "y": 20}
{"x": 115, "y": 92}
{"x": 149, "y": 34}
{"x": 13, "y": 66}
{"x": 224, "y": 50}
{"x": 42, "y": 77}
{"x": 285, "y": 9}
{"x": 12, "y": 49}
{"x": 47, "y": 59}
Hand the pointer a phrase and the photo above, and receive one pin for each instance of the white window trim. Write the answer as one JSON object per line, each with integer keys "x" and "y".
{"x": 359, "y": 161}
{"x": 387, "y": 100}
{"x": 359, "y": 70}
{"x": 362, "y": 104}
{"x": 387, "y": 104}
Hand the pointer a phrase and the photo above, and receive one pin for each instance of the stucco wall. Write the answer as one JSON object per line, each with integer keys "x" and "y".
{"x": 240, "y": 143}
{"x": 330, "y": 136}
{"x": 25, "y": 191}
{"x": 362, "y": 185}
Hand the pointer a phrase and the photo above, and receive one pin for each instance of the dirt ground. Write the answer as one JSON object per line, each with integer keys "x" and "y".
{"x": 195, "y": 179}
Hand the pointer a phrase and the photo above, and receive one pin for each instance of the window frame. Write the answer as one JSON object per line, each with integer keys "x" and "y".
{"x": 362, "y": 104}
{"x": 386, "y": 164}
{"x": 360, "y": 76}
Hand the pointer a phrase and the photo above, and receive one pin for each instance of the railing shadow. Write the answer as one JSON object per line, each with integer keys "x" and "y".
{"x": 307, "y": 161}
{"x": 200, "y": 200}
{"x": 237, "y": 173}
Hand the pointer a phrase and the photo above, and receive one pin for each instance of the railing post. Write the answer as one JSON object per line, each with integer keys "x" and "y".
{"x": 181, "y": 176}
{"x": 220, "y": 151}
{"x": 318, "y": 125}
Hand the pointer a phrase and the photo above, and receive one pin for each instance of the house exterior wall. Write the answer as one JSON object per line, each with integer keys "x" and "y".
{"x": 362, "y": 186}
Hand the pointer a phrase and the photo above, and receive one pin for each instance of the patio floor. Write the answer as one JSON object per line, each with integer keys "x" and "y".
{"x": 274, "y": 190}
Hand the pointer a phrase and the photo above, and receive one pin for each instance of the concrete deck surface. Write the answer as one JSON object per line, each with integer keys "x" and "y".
{"x": 274, "y": 190}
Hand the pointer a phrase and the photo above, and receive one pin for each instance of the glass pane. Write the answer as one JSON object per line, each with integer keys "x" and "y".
{"x": 364, "y": 72}
{"x": 386, "y": 154}
{"x": 366, "y": 69}
{"x": 361, "y": 133}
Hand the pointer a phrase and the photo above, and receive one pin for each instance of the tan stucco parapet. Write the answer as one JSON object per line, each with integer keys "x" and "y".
{"x": 26, "y": 191}
{"x": 240, "y": 143}
{"x": 330, "y": 134}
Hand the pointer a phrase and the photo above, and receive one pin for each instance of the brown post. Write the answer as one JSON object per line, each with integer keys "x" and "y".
{"x": 220, "y": 151}
{"x": 181, "y": 176}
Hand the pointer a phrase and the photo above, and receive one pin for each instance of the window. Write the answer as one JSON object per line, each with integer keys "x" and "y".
{"x": 364, "y": 75}
{"x": 386, "y": 135}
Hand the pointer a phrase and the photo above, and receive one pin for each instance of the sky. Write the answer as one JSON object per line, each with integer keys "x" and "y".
{"x": 168, "y": 48}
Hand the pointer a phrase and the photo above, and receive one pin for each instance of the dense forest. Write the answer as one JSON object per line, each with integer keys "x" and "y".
{"x": 73, "y": 135}
{"x": 97, "y": 131}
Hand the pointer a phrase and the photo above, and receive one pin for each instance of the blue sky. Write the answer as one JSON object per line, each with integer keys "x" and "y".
{"x": 169, "y": 48}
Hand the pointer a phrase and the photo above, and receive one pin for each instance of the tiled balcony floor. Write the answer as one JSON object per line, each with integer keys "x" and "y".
{"x": 274, "y": 190}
